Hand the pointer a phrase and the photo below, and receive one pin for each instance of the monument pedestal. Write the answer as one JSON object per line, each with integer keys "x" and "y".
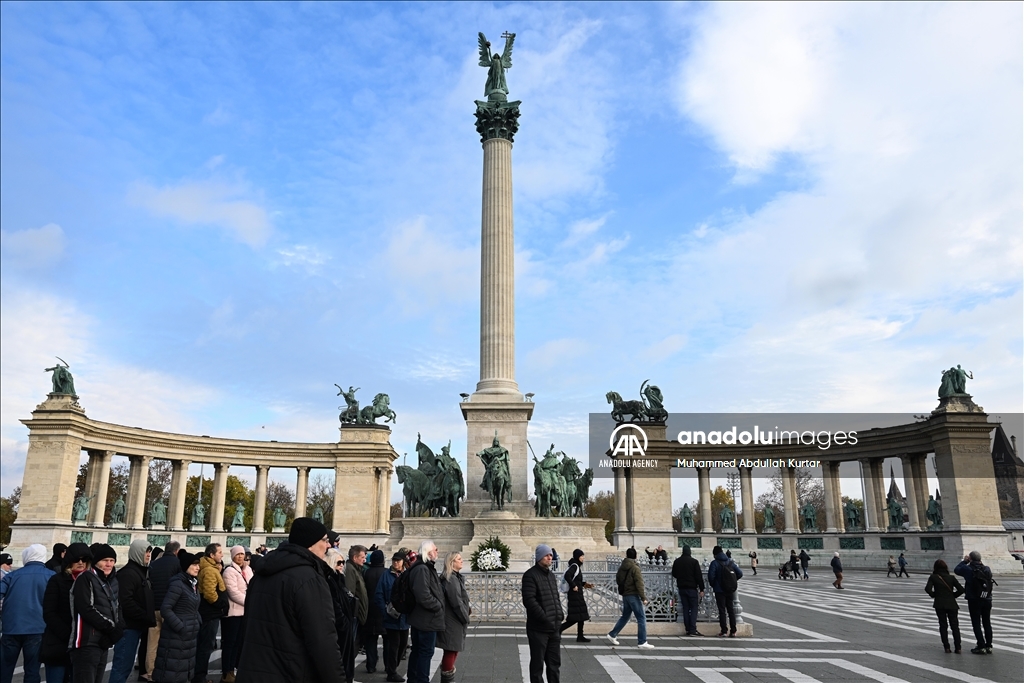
{"x": 198, "y": 528}
{"x": 238, "y": 529}
{"x": 277, "y": 530}
{"x": 156, "y": 527}
{"x": 117, "y": 525}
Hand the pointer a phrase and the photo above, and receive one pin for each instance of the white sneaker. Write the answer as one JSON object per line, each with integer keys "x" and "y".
{"x": 645, "y": 646}
{"x": 613, "y": 641}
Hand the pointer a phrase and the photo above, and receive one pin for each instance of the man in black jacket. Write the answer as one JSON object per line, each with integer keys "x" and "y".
{"x": 160, "y": 573}
{"x": 690, "y": 582}
{"x": 136, "y": 597}
{"x": 427, "y": 619}
{"x": 290, "y": 630}
{"x": 543, "y": 617}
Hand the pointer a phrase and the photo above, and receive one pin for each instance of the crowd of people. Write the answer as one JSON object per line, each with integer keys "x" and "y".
{"x": 305, "y": 610}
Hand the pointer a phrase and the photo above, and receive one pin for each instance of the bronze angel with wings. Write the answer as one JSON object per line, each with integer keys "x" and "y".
{"x": 496, "y": 63}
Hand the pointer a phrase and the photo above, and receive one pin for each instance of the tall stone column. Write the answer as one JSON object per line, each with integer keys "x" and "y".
{"x": 220, "y": 488}
{"x": 383, "y": 500}
{"x": 871, "y": 511}
{"x": 138, "y": 509}
{"x": 99, "y": 480}
{"x": 621, "y": 523}
{"x": 747, "y": 496}
{"x": 259, "y": 506}
{"x": 790, "y": 501}
{"x": 878, "y": 480}
{"x": 132, "y": 488}
{"x": 830, "y": 496}
{"x": 911, "y": 486}
{"x": 179, "y": 485}
{"x": 704, "y": 491}
{"x": 301, "y": 489}
{"x": 837, "y": 489}
{"x": 919, "y": 467}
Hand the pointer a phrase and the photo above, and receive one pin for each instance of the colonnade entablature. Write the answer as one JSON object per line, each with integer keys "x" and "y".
{"x": 59, "y": 431}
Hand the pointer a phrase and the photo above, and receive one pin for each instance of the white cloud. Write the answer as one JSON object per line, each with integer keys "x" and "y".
{"x": 435, "y": 366}
{"x": 428, "y": 270}
{"x": 302, "y": 256}
{"x": 665, "y": 348}
{"x": 212, "y": 202}
{"x": 584, "y": 228}
{"x": 557, "y": 352}
{"x": 35, "y": 327}
{"x": 33, "y": 248}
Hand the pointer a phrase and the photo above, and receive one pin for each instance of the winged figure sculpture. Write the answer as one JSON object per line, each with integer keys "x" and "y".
{"x": 496, "y": 64}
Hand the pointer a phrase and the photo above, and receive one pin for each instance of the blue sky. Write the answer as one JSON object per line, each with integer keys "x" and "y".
{"x": 214, "y": 212}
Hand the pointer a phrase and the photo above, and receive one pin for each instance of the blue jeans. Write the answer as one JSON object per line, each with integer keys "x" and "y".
{"x": 632, "y": 605}
{"x": 419, "y": 659}
{"x": 124, "y": 655}
{"x": 13, "y": 645}
{"x": 57, "y": 673}
{"x": 688, "y": 599}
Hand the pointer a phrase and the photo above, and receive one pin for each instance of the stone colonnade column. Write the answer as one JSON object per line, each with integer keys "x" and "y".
{"x": 830, "y": 496}
{"x": 99, "y": 480}
{"x": 133, "y": 487}
{"x": 179, "y": 484}
{"x": 911, "y": 487}
{"x": 220, "y": 487}
{"x": 919, "y": 467}
{"x": 383, "y": 500}
{"x": 620, "y": 500}
{"x": 878, "y": 480}
{"x": 837, "y": 490}
{"x": 301, "y": 489}
{"x": 870, "y": 509}
{"x": 747, "y": 495}
{"x": 138, "y": 508}
{"x": 704, "y": 491}
{"x": 789, "y": 501}
{"x": 260, "y": 499}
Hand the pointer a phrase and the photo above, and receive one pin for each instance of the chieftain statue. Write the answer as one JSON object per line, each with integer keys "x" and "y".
{"x": 80, "y": 508}
{"x": 279, "y": 518}
{"x": 727, "y": 517}
{"x": 158, "y": 513}
{"x": 810, "y": 517}
{"x": 118, "y": 511}
{"x": 436, "y": 486}
{"x": 934, "y": 514}
{"x": 852, "y": 516}
{"x": 650, "y": 407}
{"x": 769, "y": 518}
{"x": 686, "y": 518}
{"x": 199, "y": 514}
{"x": 238, "y": 521}
{"x": 63, "y": 382}
{"x": 497, "y": 478}
{"x": 548, "y": 484}
{"x": 895, "y": 514}
{"x": 318, "y": 514}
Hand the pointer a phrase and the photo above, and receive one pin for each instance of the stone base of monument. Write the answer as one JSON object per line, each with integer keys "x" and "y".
{"x": 277, "y": 530}
{"x": 521, "y": 535}
{"x": 117, "y": 525}
{"x": 238, "y": 529}
{"x": 157, "y": 527}
{"x": 198, "y": 527}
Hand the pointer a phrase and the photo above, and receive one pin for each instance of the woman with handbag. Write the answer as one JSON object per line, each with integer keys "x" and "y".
{"x": 236, "y": 580}
{"x": 577, "y": 612}
{"x": 945, "y": 589}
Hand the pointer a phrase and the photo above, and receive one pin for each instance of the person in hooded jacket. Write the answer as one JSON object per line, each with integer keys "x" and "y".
{"x": 805, "y": 560}
{"x": 21, "y": 600}
{"x": 723, "y": 595}
{"x": 97, "y": 622}
{"x": 374, "y": 626}
{"x": 53, "y": 652}
{"x": 176, "y": 651}
{"x": 290, "y": 632}
{"x": 56, "y": 562}
{"x": 576, "y": 612}
{"x": 161, "y": 571}
{"x": 396, "y": 629}
{"x": 236, "y": 579}
{"x": 136, "y": 597}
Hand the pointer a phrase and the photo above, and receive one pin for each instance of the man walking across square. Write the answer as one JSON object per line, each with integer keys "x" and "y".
{"x": 543, "y": 617}
{"x": 631, "y": 586}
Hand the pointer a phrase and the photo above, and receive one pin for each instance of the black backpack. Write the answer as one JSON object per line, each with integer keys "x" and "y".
{"x": 985, "y": 582}
{"x": 402, "y": 598}
{"x": 620, "y": 580}
{"x": 727, "y": 578}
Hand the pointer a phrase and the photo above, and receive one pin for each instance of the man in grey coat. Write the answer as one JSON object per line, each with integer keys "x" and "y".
{"x": 427, "y": 618}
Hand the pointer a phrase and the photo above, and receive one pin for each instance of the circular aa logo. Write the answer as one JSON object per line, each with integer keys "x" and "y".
{"x": 628, "y": 442}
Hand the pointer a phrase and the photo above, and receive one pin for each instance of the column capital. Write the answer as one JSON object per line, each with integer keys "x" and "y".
{"x": 263, "y": 468}
{"x": 303, "y": 468}
{"x": 497, "y": 120}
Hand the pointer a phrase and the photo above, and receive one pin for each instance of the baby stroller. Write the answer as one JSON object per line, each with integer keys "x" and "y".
{"x": 784, "y": 569}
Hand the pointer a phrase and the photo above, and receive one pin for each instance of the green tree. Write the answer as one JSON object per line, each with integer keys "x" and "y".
{"x": 396, "y": 511}
{"x": 117, "y": 486}
{"x": 8, "y": 514}
{"x": 321, "y": 492}
{"x": 810, "y": 488}
{"x": 279, "y": 496}
{"x": 602, "y": 506}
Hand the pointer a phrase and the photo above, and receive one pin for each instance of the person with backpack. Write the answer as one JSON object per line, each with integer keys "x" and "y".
{"x": 543, "y": 617}
{"x": 903, "y": 566}
{"x": 396, "y": 629}
{"x": 452, "y": 640}
{"x": 945, "y": 589}
{"x": 572, "y": 585}
{"x": 690, "y": 582}
{"x": 630, "y": 583}
{"x": 978, "y": 585}
{"x": 136, "y": 596}
{"x": 422, "y": 588}
{"x": 724, "y": 575}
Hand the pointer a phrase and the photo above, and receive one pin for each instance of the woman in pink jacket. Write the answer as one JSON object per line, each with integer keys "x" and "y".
{"x": 236, "y": 580}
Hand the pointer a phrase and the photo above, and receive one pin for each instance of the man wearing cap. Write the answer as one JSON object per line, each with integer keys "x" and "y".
{"x": 21, "y": 603}
{"x": 396, "y": 629}
{"x": 290, "y": 633}
{"x": 543, "y": 617}
{"x": 137, "y": 606}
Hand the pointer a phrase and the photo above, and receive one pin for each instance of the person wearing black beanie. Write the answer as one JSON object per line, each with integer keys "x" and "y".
{"x": 53, "y": 564}
{"x": 97, "y": 621}
{"x": 175, "y": 660}
{"x": 290, "y": 630}
{"x": 53, "y": 651}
